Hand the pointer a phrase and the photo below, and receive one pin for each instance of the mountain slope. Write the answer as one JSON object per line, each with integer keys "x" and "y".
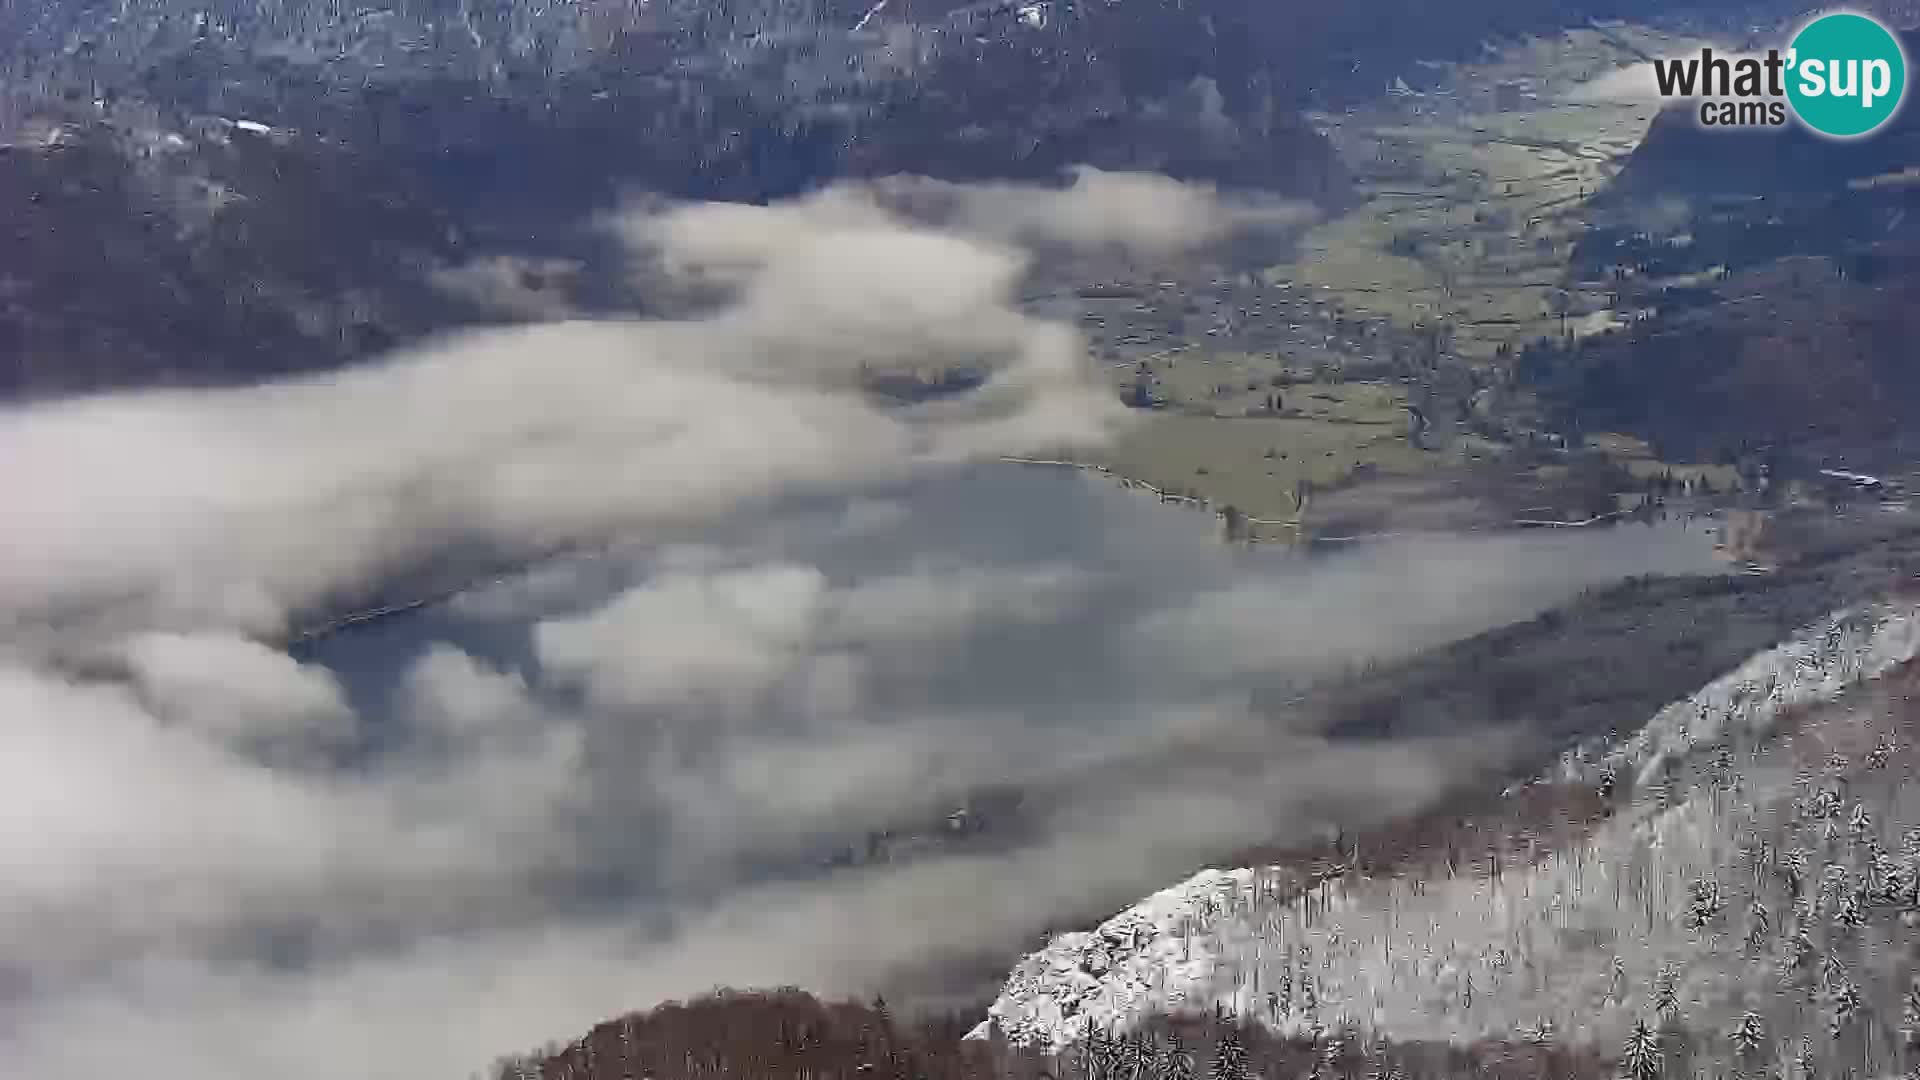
{"x": 1766, "y": 284}
{"x": 214, "y": 255}
{"x": 1679, "y": 157}
{"x": 253, "y": 190}
{"x": 1716, "y": 802}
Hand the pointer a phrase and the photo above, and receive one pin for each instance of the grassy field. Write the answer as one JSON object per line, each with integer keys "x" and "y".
{"x": 1469, "y": 216}
{"x": 1638, "y": 459}
{"x": 1328, "y": 435}
{"x": 1470, "y": 213}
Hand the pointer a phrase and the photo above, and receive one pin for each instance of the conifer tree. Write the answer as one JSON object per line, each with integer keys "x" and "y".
{"x": 1759, "y": 926}
{"x": 1747, "y": 1037}
{"x": 1859, "y": 823}
{"x": 1093, "y": 1052}
{"x": 1641, "y": 1056}
{"x": 1617, "y": 981}
{"x": 1799, "y": 955}
{"x": 1883, "y": 876}
{"x": 1852, "y": 912}
{"x": 1309, "y": 1003}
{"x": 1804, "y": 1067}
{"x": 1910, "y": 1015}
{"x": 1666, "y": 996}
{"x": 1131, "y": 1057}
{"x": 1843, "y": 1006}
{"x": 1326, "y": 1059}
{"x": 1229, "y": 1058}
{"x": 1703, "y": 904}
{"x": 1177, "y": 1062}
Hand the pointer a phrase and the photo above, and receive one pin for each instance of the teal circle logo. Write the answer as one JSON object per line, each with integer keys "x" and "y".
{"x": 1846, "y": 75}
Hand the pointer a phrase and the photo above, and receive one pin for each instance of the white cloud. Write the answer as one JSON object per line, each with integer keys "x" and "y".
{"x": 1138, "y": 214}
{"x": 177, "y": 792}
{"x": 783, "y": 626}
{"x": 1430, "y": 590}
{"x": 937, "y": 603}
{"x": 444, "y": 1006}
{"x": 128, "y": 833}
{"x": 455, "y": 697}
{"x": 238, "y": 507}
{"x": 239, "y": 692}
{"x": 686, "y": 639}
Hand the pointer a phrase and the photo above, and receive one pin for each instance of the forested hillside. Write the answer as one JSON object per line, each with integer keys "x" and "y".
{"x": 790, "y": 1035}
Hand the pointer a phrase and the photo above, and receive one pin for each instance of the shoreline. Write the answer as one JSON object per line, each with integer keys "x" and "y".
{"x": 1296, "y": 523}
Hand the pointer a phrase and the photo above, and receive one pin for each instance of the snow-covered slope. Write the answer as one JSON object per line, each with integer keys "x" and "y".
{"x": 1706, "y": 879}
{"x": 1814, "y": 665}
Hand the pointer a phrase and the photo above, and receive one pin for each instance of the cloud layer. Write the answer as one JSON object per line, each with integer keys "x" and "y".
{"x": 243, "y": 507}
{"x": 1143, "y": 215}
{"x": 787, "y": 617}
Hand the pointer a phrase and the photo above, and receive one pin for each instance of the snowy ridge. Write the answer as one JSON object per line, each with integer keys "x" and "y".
{"x": 1139, "y": 958}
{"x": 1581, "y": 943}
{"x": 1162, "y": 954}
{"x": 1850, "y": 646}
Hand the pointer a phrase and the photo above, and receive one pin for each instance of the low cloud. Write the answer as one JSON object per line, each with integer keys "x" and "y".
{"x": 1143, "y": 215}
{"x": 242, "y": 508}
{"x": 569, "y": 804}
{"x": 238, "y": 692}
{"x": 1429, "y": 587}
{"x": 793, "y": 625}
